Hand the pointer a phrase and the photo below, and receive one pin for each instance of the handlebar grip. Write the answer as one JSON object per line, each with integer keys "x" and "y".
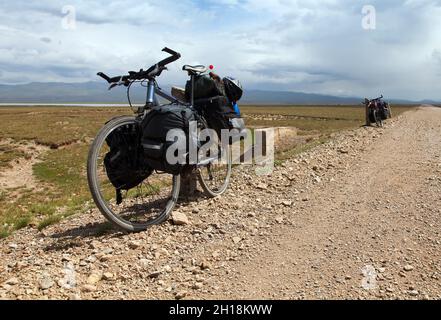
{"x": 110, "y": 80}
{"x": 175, "y": 56}
{"x": 104, "y": 76}
{"x": 170, "y": 51}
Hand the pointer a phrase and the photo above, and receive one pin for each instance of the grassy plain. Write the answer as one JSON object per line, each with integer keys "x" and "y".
{"x": 60, "y": 172}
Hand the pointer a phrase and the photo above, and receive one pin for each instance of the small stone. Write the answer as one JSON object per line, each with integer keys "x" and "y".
{"x": 167, "y": 268}
{"x": 195, "y": 210}
{"x": 262, "y": 186}
{"x": 46, "y": 283}
{"x": 236, "y": 239}
{"x": 7, "y": 287}
{"x": 75, "y": 296}
{"x": 145, "y": 263}
{"x": 94, "y": 277}
{"x": 279, "y": 220}
{"x": 108, "y": 276}
{"x": 12, "y": 281}
{"x": 317, "y": 180}
{"x": 181, "y": 295}
{"x": 197, "y": 286}
{"x": 179, "y": 218}
{"x": 348, "y": 277}
{"x": 134, "y": 244}
{"x": 205, "y": 265}
{"x": 287, "y": 203}
{"x": 91, "y": 259}
{"x": 88, "y": 288}
{"x": 13, "y": 246}
{"x": 155, "y": 274}
{"x": 66, "y": 257}
{"x": 413, "y": 293}
{"x": 105, "y": 258}
{"x": 95, "y": 244}
{"x": 408, "y": 268}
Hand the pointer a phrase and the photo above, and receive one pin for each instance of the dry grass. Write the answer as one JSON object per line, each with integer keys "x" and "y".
{"x": 61, "y": 173}
{"x": 310, "y": 119}
{"x": 54, "y": 126}
{"x": 8, "y": 154}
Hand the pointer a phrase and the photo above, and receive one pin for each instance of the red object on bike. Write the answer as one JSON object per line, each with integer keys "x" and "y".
{"x": 211, "y": 67}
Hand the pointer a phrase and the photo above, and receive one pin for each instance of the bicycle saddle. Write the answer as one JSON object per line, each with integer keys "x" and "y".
{"x": 194, "y": 69}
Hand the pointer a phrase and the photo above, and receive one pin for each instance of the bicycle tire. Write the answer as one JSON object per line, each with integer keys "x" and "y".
{"x": 97, "y": 196}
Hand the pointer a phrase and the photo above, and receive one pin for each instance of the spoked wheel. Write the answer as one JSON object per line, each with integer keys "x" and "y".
{"x": 148, "y": 203}
{"x": 215, "y": 176}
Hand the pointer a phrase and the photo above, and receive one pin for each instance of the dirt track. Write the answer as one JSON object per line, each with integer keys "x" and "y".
{"x": 358, "y": 217}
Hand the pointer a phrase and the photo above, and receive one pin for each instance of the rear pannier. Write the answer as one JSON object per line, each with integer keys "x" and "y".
{"x": 220, "y": 114}
{"x": 204, "y": 87}
{"x": 156, "y": 124}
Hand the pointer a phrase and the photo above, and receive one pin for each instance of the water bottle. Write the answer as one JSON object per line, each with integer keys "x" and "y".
{"x": 236, "y": 109}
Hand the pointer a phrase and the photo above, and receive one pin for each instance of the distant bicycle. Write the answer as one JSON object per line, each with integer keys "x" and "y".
{"x": 378, "y": 110}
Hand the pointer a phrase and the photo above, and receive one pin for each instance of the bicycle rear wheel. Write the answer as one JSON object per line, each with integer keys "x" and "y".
{"x": 148, "y": 203}
{"x": 215, "y": 176}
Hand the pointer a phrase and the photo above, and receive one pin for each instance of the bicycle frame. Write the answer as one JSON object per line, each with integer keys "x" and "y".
{"x": 153, "y": 90}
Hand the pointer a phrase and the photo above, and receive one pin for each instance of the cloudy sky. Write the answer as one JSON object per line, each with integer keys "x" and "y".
{"x": 319, "y": 46}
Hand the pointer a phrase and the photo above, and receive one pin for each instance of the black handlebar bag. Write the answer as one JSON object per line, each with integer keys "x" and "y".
{"x": 155, "y": 127}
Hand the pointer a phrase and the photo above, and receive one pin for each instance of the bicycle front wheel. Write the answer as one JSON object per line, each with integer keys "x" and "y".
{"x": 148, "y": 203}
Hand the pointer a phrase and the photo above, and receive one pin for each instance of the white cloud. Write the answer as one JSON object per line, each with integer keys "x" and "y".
{"x": 299, "y": 45}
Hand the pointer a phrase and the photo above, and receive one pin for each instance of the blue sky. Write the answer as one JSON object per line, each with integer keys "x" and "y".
{"x": 298, "y": 45}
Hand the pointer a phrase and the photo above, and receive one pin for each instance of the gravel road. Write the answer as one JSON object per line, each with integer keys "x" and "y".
{"x": 355, "y": 218}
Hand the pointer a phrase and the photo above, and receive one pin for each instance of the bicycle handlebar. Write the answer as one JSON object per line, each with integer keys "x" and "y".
{"x": 150, "y": 73}
{"x": 174, "y": 56}
{"x": 371, "y": 100}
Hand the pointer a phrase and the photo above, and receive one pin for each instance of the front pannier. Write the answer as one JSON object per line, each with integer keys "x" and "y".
{"x": 155, "y": 126}
{"x": 124, "y": 163}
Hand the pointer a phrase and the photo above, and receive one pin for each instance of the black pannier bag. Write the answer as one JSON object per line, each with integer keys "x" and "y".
{"x": 383, "y": 110}
{"x": 124, "y": 163}
{"x": 371, "y": 115}
{"x": 219, "y": 113}
{"x": 155, "y": 127}
{"x": 204, "y": 87}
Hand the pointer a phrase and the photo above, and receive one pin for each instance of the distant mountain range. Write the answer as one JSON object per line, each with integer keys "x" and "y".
{"x": 96, "y": 92}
